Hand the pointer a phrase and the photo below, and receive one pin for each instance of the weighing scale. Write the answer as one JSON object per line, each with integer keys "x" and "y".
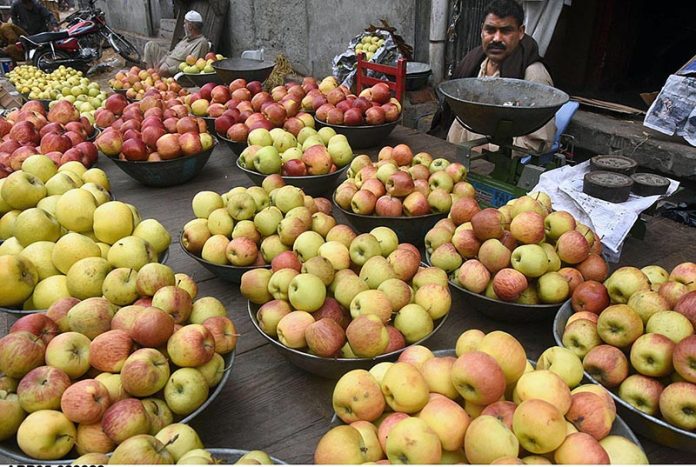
{"x": 502, "y": 108}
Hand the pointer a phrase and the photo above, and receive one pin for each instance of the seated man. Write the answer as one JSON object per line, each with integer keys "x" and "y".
{"x": 507, "y": 52}
{"x": 32, "y": 16}
{"x": 9, "y": 35}
{"x": 167, "y": 63}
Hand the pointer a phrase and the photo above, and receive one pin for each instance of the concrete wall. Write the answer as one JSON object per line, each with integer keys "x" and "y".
{"x": 311, "y": 32}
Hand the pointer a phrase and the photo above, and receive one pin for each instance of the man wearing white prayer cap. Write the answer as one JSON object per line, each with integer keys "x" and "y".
{"x": 194, "y": 44}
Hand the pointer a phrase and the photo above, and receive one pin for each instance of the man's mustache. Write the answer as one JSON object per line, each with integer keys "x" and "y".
{"x": 496, "y": 46}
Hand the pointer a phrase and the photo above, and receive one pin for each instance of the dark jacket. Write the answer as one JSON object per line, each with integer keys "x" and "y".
{"x": 32, "y": 21}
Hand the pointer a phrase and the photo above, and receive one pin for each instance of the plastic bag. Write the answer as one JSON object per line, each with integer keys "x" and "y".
{"x": 344, "y": 65}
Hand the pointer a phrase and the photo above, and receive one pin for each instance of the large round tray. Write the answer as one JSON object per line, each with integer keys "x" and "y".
{"x": 502, "y": 107}
{"x": 312, "y": 185}
{"x": 227, "y": 273}
{"x": 649, "y": 426}
{"x": 506, "y": 312}
{"x": 165, "y": 173}
{"x": 10, "y": 448}
{"x": 333, "y": 368}
{"x": 362, "y": 136}
{"x": 408, "y": 229}
{"x": 233, "y": 68}
{"x": 163, "y": 257}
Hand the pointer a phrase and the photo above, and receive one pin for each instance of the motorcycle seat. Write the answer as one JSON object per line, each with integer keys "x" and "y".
{"x": 44, "y": 37}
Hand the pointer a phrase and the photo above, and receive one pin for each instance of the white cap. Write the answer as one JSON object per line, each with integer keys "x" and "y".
{"x": 193, "y": 16}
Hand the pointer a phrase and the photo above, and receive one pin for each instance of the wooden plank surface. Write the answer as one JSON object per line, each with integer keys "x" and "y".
{"x": 270, "y": 404}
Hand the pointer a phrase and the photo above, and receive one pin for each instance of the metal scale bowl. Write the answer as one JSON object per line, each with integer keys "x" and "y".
{"x": 500, "y": 109}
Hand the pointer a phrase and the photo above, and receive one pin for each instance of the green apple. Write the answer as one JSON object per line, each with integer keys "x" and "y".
{"x": 22, "y": 190}
{"x": 363, "y": 247}
{"x": 552, "y": 288}
{"x": 12, "y": 414}
{"x": 39, "y": 253}
{"x": 564, "y": 363}
{"x": 306, "y": 292}
{"x": 100, "y": 194}
{"x": 179, "y": 439}
{"x": 414, "y": 322}
{"x": 71, "y": 248}
{"x": 75, "y": 210}
{"x": 119, "y": 286}
{"x": 185, "y": 391}
{"x": 113, "y": 221}
{"x": 62, "y": 182}
{"x": 531, "y": 260}
{"x": 34, "y": 225}
{"x": 18, "y": 276}
{"x": 39, "y": 166}
{"x": 154, "y": 233}
{"x": 131, "y": 252}
{"x": 50, "y": 290}
{"x": 387, "y": 238}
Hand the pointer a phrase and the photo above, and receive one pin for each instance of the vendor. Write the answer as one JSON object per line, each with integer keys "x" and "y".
{"x": 9, "y": 35}
{"x": 507, "y": 52}
{"x": 32, "y": 16}
{"x": 167, "y": 63}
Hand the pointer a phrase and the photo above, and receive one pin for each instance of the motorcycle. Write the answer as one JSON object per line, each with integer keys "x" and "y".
{"x": 79, "y": 44}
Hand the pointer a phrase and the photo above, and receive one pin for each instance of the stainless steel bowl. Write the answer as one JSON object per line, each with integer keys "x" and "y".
{"x": 649, "y": 426}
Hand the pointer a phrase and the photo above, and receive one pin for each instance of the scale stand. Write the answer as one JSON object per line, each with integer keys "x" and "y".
{"x": 510, "y": 177}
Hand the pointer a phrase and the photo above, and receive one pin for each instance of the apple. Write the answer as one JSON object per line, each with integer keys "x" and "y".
{"x": 528, "y": 227}
{"x": 478, "y": 378}
{"x": 85, "y": 401}
{"x": 358, "y": 396}
{"x": 590, "y": 296}
{"x": 367, "y": 335}
{"x": 507, "y": 351}
{"x": 69, "y": 352}
{"x": 539, "y": 426}
{"x": 192, "y": 345}
{"x": 684, "y": 273}
{"x": 509, "y": 284}
{"x": 553, "y": 288}
{"x": 46, "y": 435}
{"x": 580, "y": 336}
{"x": 580, "y": 448}
{"x": 488, "y": 439}
{"x": 108, "y": 351}
{"x": 404, "y": 388}
{"x": 38, "y": 324}
{"x": 92, "y": 439}
{"x": 564, "y": 363}
{"x": 670, "y": 324}
{"x": 145, "y": 372}
{"x": 530, "y": 260}
{"x": 623, "y": 451}
{"x": 223, "y": 332}
{"x": 557, "y": 223}
{"x": 141, "y": 448}
{"x": 545, "y": 385}
{"x": 21, "y": 352}
{"x": 624, "y": 282}
{"x": 341, "y": 444}
{"x": 619, "y": 325}
{"x": 593, "y": 268}
{"x": 179, "y": 439}
{"x": 42, "y": 389}
{"x": 185, "y": 391}
{"x": 642, "y": 392}
{"x": 400, "y": 447}
{"x": 606, "y": 364}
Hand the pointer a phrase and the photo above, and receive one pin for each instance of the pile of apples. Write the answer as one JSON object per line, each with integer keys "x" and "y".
{"x": 347, "y": 295}
{"x": 152, "y": 129}
{"x": 523, "y": 252}
{"x": 310, "y": 153}
{"x": 64, "y": 237}
{"x": 61, "y": 134}
{"x": 88, "y": 374}
{"x": 635, "y": 335}
{"x": 374, "y": 106}
{"x": 368, "y": 45}
{"x": 174, "y": 444}
{"x": 242, "y": 107}
{"x": 194, "y": 65}
{"x": 402, "y": 184}
{"x": 251, "y": 226}
{"x": 487, "y": 405}
{"x": 136, "y": 81}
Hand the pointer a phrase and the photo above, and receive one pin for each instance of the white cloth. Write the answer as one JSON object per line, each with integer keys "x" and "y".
{"x": 193, "y": 16}
{"x": 611, "y": 221}
{"x": 540, "y": 20}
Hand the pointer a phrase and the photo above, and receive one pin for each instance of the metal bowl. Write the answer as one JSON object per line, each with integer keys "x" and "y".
{"x": 362, "y": 136}
{"x": 210, "y": 121}
{"x": 10, "y": 448}
{"x": 227, "y": 273}
{"x": 230, "y": 456}
{"x": 505, "y": 312}
{"x": 192, "y": 80}
{"x": 233, "y": 68}
{"x": 312, "y": 185}
{"x": 163, "y": 257}
{"x": 408, "y": 229}
{"x": 651, "y": 427}
{"x": 619, "y": 428}
{"x": 119, "y": 91}
{"x": 95, "y": 134}
{"x": 236, "y": 147}
{"x": 502, "y": 107}
{"x": 333, "y": 368}
{"x": 165, "y": 173}
{"x": 417, "y": 75}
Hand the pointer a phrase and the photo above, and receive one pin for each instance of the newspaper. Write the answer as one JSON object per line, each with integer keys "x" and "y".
{"x": 611, "y": 221}
{"x": 674, "y": 110}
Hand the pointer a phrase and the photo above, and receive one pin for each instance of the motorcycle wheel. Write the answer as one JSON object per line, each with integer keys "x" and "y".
{"x": 43, "y": 60}
{"x": 124, "y": 48}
